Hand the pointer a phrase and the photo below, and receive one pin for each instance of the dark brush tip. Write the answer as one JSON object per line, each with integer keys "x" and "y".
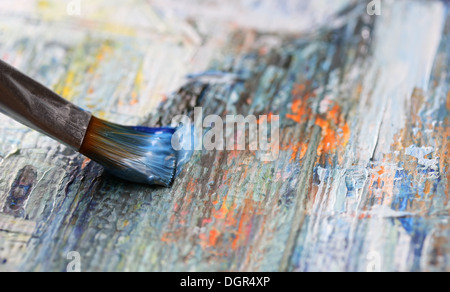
{"x": 136, "y": 154}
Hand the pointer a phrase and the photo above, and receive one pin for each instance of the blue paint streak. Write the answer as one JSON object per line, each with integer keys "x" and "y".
{"x": 416, "y": 227}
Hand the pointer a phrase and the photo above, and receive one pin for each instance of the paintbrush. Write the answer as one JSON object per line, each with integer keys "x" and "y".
{"x": 137, "y": 154}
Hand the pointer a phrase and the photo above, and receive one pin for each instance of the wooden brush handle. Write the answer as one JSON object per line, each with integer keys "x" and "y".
{"x": 39, "y": 108}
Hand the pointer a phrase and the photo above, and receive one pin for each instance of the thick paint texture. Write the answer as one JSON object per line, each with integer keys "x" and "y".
{"x": 362, "y": 179}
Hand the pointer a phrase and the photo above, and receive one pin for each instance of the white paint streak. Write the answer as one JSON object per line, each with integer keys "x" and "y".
{"x": 267, "y": 15}
{"x": 382, "y": 211}
{"x": 402, "y": 61}
{"x": 420, "y": 153}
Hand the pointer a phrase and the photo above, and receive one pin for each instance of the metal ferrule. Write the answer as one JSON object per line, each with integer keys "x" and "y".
{"x": 39, "y": 108}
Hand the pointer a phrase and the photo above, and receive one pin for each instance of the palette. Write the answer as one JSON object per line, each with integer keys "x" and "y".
{"x": 362, "y": 179}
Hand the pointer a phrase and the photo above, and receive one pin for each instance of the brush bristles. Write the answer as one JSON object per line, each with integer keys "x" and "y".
{"x": 136, "y": 154}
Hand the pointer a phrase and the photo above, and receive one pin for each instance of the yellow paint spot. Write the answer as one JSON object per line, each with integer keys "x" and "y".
{"x": 43, "y": 4}
{"x": 67, "y": 91}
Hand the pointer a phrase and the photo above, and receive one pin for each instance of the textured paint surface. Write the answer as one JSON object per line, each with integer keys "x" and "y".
{"x": 362, "y": 181}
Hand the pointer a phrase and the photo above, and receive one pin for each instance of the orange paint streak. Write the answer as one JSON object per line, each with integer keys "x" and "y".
{"x": 299, "y": 147}
{"x": 335, "y": 131}
{"x": 85, "y": 163}
{"x": 166, "y": 238}
{"x": 364, "y": 216}
{"x": 222, "y": 212}
{"x": 134, "y": 99}
{"x": 294, "y": 153}
{"x": 191, "y": 186}
{"x": 448, "y": 100}
{"x": 346, "y": 134}
{"x": 300, "y": 109}
{"x": 322, "y": 123}
{"x": 329, "y": 137}
{"x": 304, "y": 148}
{"x": 334, "y": 114}
{"x": 380, "y": 173}
{"x": 213, "y": 235}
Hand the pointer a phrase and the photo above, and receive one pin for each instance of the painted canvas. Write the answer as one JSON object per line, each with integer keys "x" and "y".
{"x": 361, "y": 93}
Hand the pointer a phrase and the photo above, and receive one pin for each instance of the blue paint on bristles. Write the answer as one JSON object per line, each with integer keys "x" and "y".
{"x": 136, "y": 154}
